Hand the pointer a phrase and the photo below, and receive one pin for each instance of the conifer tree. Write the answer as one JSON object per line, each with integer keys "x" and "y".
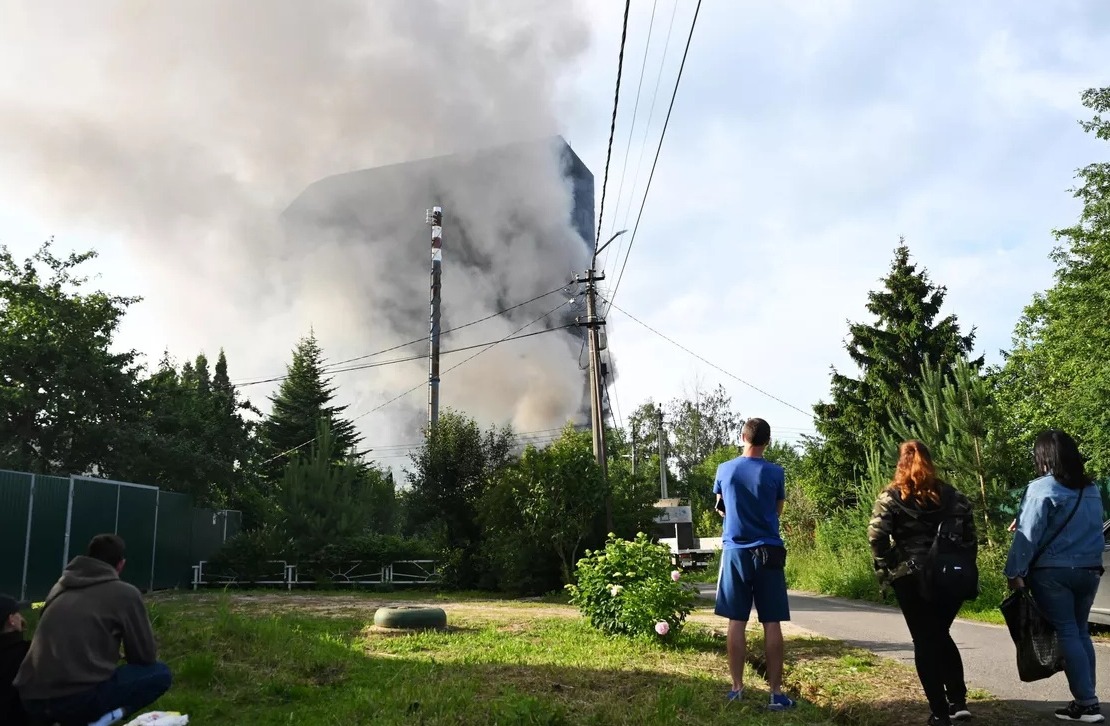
{"x": 890, "y": 353}
{"x": 301, "y": 403}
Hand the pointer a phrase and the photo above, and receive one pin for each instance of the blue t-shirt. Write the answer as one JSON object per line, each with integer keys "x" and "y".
{"x": 751, "y": 489}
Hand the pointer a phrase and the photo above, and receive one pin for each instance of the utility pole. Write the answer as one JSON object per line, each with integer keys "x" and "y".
{"x": 662, "y": 454}
{"x": 593, "y": 325}
{"x": 597, "y": 416}
{"x": 435, "y": 219}
{"x": 633, "y": 451}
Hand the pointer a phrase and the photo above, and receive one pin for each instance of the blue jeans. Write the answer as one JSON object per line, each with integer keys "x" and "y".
{"x": 1065, "y": 596}
{"x": 131, "y": 687}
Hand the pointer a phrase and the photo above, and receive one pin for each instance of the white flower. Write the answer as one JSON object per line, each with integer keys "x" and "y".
{"x": 615, "y": 590}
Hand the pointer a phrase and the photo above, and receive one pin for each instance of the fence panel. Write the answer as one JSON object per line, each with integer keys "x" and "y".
{"x": 211, "y": 528}
{"x": 47, "y": 555}
{"x": 95, "y": 509}
{"x": 15, "y": 501}
{"x": 136, "y": 524}
{"x": 173, "y": 552}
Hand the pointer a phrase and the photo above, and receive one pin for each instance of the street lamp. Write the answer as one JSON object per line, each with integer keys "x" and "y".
{"x": 599, "y": 249}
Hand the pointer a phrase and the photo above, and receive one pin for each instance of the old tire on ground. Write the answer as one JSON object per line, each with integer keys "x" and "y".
{"x": 410, "y": 617}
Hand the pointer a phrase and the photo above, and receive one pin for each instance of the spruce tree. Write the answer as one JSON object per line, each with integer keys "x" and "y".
{"x": 302, "y": 402}
{"x": 890, "y": 353}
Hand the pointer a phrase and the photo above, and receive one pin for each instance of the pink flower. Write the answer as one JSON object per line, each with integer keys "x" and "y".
{"x": 662, "y": 627}
{"x": 676, "y": 575}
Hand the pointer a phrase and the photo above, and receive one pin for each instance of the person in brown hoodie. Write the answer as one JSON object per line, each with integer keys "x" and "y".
{"x": 72, "y": 671}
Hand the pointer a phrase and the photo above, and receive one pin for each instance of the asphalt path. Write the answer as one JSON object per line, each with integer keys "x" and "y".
{"x": 987, "y": 651}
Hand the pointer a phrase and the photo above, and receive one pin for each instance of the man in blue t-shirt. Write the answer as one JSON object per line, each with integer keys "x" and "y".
{"x": 750, "y": 495}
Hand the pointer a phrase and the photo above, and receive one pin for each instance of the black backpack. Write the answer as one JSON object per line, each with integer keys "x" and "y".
{"x": 949, "y": 572}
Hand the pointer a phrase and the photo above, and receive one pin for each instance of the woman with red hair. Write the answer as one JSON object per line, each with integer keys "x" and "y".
{"x": 903, "y": 525}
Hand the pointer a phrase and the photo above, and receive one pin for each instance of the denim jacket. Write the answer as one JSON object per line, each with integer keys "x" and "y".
{"x": 1045, "y": 506}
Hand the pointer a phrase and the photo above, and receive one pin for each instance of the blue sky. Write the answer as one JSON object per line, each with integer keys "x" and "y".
{"x": 806, "y": 138}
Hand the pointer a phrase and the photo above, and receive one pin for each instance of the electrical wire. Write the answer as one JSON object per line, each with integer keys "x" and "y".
{"x": 487, "y": 346}
{"x": 613, "y": 123}
{"x": 421, "y": 356}
{"x": 708, "y": 362}
{"x": 333, "y": 367}
{"x": 632, "y": 130}
{"x": 658, "y": 149}
{"x": 647, "y": 126}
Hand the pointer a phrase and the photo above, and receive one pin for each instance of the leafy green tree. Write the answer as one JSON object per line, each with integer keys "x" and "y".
{"x": 300, "y": 404}
{"x": 555, "y": 496}
{"x": 66, "y": 398}
{"x": 699, "y": 424}
{"x": 1058, "y": 373}
{"x": 889, "y": 353}
{"x": 324, "y": 499}
{"x": 634, "y": 493}
{"x": 192, "y": 438}
{"x": 450, "y": 474}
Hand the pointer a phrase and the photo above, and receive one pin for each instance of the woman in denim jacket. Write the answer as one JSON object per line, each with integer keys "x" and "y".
{"x": 1065, "y": 576}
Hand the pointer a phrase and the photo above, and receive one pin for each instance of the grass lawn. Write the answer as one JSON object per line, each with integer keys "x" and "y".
{"x": 312, "y": 658}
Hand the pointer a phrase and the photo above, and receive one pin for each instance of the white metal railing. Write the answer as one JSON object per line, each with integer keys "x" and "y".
{"x": 354, "y": 572}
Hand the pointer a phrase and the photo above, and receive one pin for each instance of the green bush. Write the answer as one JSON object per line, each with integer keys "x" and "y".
{"x": 248, "y": 554}
{"x": 628, "y": 589}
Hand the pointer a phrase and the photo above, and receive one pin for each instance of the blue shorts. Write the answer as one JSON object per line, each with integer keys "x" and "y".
{"x": 744, "y": 579}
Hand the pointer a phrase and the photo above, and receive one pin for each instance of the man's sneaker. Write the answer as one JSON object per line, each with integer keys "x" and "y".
{"x": 959, "y": 712}
{"x": 781, "y": 702}
{"x": 734, "y": 695}
{"x": 935, "y": 720}
{"x": 1080, "y": 714}
{"x": 109, "y": 718}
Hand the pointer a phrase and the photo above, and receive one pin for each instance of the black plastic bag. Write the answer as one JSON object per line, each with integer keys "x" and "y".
{"x": 1038, "y": 646}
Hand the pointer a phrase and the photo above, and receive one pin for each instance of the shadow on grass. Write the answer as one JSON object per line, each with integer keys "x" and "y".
{"x": 860, "y": 687}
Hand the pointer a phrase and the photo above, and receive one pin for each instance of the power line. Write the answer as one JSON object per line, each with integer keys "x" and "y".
{"x": 517, "y": 435}
{"x": 658, "y": 149}
{"x": 632, "y": 129}
{"x": 613, "y": 384}
{"x": 613, "y": 122}
{"x": 420, "y": 385}
{"x": 421, "y": 356}
{"x": 708, "y": 362}
{"x": 651, "y": 115}
{"x": 333, "y": 367}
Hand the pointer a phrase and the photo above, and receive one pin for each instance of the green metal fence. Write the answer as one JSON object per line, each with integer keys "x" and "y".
{"x": 45, "y": 521}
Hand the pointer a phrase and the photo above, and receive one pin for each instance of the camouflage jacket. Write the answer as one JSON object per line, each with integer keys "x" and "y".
{"x": 901, "y": 533}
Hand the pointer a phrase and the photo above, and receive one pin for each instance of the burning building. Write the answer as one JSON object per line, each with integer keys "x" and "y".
{"x": 518, "y": 222}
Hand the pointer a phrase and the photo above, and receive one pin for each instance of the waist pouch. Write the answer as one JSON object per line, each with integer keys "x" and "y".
{"x": 773, "y": 557}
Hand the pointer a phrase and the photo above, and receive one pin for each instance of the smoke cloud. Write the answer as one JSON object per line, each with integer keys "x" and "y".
{"x": 188, "y": 128}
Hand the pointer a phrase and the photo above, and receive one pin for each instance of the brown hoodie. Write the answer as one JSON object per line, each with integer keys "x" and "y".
{"x": 88, "y": 615}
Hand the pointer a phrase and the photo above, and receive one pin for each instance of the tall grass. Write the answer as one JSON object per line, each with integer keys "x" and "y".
{"x": 836, "y": 560}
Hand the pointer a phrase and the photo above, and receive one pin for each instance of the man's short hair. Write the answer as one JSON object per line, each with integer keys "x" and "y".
{"x": 107, "y": 548}
{"x": 756, "y": 432}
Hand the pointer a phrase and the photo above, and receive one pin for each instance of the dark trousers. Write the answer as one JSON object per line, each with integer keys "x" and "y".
{"x": 131, "y": 687}
{"x": 939, "y": 666}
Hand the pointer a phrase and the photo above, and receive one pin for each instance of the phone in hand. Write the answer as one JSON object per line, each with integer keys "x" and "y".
{"x": 720, "y": 507}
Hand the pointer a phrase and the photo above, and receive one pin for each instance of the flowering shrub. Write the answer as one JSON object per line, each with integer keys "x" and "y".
{"x": 629, "y": 588}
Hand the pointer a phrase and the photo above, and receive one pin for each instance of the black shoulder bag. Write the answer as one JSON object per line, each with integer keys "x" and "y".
{"x": 1038, "y": 646}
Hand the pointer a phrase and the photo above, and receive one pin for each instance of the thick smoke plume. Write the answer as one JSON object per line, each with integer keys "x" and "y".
{"x": 187, "y": 128}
